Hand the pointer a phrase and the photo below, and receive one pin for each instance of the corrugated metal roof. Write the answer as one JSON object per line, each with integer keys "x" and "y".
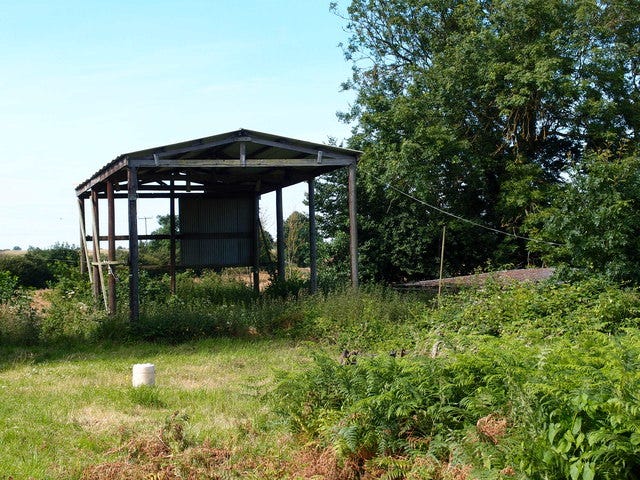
{"x": 271, "y": 155}
{"x": 502, "y": 276}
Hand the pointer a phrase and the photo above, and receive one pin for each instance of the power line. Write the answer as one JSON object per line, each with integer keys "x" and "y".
{"x": 466, "y": 220}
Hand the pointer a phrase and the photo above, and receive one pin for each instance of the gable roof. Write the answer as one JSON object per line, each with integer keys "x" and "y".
{"x": 238, "y": 161}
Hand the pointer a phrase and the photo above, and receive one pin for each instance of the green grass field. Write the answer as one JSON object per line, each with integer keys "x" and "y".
{"x": 63, "y": 412}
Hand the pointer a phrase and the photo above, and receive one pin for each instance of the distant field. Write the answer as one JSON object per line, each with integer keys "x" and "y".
{"x": 13, "y": 252}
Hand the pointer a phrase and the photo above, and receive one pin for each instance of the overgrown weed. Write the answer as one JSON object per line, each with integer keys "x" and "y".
{"x": 525, "y": 380}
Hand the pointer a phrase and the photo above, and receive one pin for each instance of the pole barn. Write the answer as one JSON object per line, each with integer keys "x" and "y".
{"x": 217, "y": 182}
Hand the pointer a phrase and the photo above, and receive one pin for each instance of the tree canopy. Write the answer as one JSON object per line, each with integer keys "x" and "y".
{"x": 479, "y": 108}
{"x": 296, "y": 239}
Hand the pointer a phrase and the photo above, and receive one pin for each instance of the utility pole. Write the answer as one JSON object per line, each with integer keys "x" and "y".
{"x": 145, "y": 224}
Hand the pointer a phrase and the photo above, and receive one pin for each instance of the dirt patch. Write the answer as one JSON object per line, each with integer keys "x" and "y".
{"x": 314, "y": 462}
{"x": 101, "y": 420}
{"x": 492, "y": 428}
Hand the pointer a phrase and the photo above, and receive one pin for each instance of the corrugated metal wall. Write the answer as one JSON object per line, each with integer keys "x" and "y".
{"x": 224, "y": 227}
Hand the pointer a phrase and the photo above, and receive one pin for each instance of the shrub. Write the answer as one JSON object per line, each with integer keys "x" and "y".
{"x": 594, "y": 218}
{"x": 564, "y": 409}
{"x": 292, "y": 287}
{"x": 72, "y": 313}
{"x": 542, "y": 310}
{"x": 30, "y": 271}
{"x": 371, "y": 318}
{"x": 8, "y": 286}
{"x": 19, "y": 322}
{"x": 37, "y": 268}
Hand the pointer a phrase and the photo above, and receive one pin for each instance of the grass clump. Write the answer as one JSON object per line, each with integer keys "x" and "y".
{"x": 146, "y": 396}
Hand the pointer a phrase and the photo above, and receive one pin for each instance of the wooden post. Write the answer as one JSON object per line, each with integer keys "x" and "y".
{"x": 134, "y": 273}
{"x": 280, "y": 235}
{"x": 313, "y": 246}
{"x": 95, "y": 240}
{"x": 353, "y": 225}
{"x": 83, "y": 238}
{"x": 256, "y": 243}
{"x": 100, "y": 288}
{"x": 111, "y": 241}
{"x": 172, "y": 240}
{"x": 444, "y": 232}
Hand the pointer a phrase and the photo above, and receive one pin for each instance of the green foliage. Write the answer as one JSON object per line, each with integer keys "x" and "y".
{"x": 478, "y": 108}
{"x": 540, "y": 380}
{"x": 540, "y": 311}
{"x": 8, "y": 286}
{"x": 72, "y": 314}
{"x": 564, "y": 409}
{"x": 292, "y": 286}
{"x": 536, "y": 379}
{"x": 212, "y": 287}
{"x": 19, "y": 323}
{"x": 366, "y": 319}
{"x": 38, "y": 268}
{"x": 296, "y": 239}
{"x": 157, "y": 252}
{"x": 595, "y": 219}
{"x": 29, "y": 270}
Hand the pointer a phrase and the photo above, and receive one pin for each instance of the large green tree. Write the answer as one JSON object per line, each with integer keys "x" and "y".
{"x": 478, "y": 107}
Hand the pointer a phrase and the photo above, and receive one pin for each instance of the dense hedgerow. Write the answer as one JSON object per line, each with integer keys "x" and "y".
{"x": 38, "y": 268}
{"x": 546, "y": 309}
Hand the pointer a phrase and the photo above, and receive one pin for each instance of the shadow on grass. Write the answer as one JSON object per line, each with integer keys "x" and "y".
{"x": 76, "y": 351}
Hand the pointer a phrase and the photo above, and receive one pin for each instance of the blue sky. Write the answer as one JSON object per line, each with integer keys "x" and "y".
{"x": 83, "y": 81}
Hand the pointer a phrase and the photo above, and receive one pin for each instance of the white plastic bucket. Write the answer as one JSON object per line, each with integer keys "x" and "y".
{"x": 144, "y": 374}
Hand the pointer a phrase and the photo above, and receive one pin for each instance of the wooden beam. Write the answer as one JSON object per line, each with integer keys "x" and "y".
{"x": 353, "y": 225}
{"x": 84, "y": 254}
{"x": 313, "y": 246}
{"x": 301, "y": 149}
{"x": 95, "y": 226}
{"x": 311, "y": 162}
{"x": 100, "y": 289}
{"x": 256, "y": 243}
{"x": 243, "y": 154}
{"x": 134, "y": 273}
{"x": 280, "y": 235}
{"x": 103, "y": 175}
{"x": 172, "y": 240}
{"x": 111, "y": 242}
{"x": 165, "y": 151}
